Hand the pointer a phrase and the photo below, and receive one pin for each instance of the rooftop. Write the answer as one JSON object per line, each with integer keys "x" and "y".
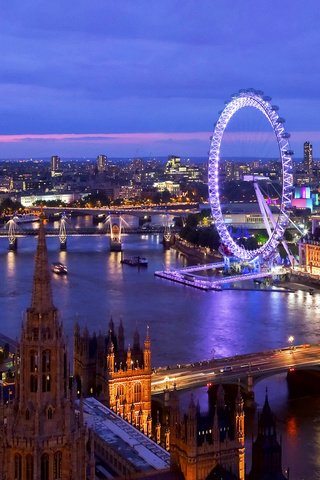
{"x": 142, "y": 452}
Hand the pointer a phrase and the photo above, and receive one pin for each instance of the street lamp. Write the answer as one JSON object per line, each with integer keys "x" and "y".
{"x": 291, "y": 340}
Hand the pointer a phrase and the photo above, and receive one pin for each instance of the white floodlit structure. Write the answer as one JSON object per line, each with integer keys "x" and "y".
{"x": 255, "y": 99}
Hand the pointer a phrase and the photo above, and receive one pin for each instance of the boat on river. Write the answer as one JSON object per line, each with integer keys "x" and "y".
{"x": 59, "y": 268}
{"x": 136, "y": 261}
{"x": 25, "y": 218}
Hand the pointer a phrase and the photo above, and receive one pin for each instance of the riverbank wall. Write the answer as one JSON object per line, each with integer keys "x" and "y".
{"x": 193, "y": 252}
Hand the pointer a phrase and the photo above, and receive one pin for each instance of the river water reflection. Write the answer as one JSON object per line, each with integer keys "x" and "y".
{"x": 186, "y": 324}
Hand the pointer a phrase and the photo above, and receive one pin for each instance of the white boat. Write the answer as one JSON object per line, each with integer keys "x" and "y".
{"x": 26, "y": 218}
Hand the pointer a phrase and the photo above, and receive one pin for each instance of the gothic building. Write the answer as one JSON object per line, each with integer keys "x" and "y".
{"x": 42, "y": 436}
{"x": 119, "y": 376}
{"x": 207, "y": 447}
{"x": 266, "y": 450}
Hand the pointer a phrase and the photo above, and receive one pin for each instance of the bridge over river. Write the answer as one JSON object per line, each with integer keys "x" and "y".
{"x": 247, "y": 368}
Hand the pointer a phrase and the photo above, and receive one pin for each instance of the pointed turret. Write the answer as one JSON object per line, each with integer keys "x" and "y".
{"x": 129, "y": 361}
{"x": 41, "y": 294}
{"x": 266, "y": 450}
{"x": 220, "y": 397}
{"x": 121, "y": 337}
{"x": 43, "y": 416}
{"x": 239, "y": 416}
{"x": 111, "y": 325}
{"x": 136, "y": 340}
{"x": 147, "y": 350}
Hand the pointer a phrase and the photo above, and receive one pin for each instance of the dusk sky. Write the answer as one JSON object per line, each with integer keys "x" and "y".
{"x": 148, "y": 77}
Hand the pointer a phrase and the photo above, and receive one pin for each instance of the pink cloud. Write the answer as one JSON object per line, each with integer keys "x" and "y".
{"x": 140, "y": 138}
{"x": 111, "y": 137}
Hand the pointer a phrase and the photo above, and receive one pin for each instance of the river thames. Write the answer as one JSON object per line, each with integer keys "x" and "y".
{"x": 186, "y": 324}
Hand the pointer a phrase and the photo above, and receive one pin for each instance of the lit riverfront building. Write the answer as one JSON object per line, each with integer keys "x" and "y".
{"x": 118, "y": 376}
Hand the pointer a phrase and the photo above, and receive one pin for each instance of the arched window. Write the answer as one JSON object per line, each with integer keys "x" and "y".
{"x": 33, "y": 361}
{"x": 27, "y": 414}
{"x": 137, "y": 392}
{"x": 49, "y": 413}
{"x": 57, "y": 464}
{"x": 46, "y": 383}
{"x": 46, "y": 361}
{"x": 29, "y": 467}
{"x": 44, "y": 467}
{"x": 17, "y": 467}
{"x": 120, "y": 393}
{"x": 33, "y": 383}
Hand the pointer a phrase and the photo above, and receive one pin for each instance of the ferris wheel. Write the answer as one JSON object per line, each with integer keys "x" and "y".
{"x": 274, "y": 226}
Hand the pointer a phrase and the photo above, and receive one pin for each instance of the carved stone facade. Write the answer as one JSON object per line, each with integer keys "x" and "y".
{"x": 119, "y": 377}
{"x": 42, "y": 436}
{"x": 204, "y": 446}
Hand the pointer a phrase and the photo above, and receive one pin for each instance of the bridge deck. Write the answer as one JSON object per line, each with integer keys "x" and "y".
{"x": 75, "y": 232}
{"x": 231, "y": 369}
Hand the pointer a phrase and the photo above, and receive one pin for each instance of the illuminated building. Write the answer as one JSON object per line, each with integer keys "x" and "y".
{"x": 30, "y": 200}
{"x": 303, "y": 198}
{"x": 309, "y": 256}
{"x": 307, "y": 159}
{"x": 173, "y": 188}
{"x": 42, "y": 436}
{"x": 129, "y": 192}
{"x": 210, "y": 446}
{"x": 55, "y": 165}
{"x": 175, "y": 168}
{"x": 102, "y": 163}
{"x": 120, "y": 377}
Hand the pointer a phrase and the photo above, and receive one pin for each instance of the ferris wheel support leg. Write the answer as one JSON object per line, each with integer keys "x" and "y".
{"x": 265, "y": 211}
{"x": 269, "y": 215}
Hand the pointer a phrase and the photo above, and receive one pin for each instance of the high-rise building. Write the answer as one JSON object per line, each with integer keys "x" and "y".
{"x": 102, "y": 163}
{"x": 55, "y": 165}
{"x": 42, "y": 435}
{"x": 307, "y": 159}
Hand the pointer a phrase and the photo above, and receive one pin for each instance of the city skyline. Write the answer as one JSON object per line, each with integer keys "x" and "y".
{"x": 128, "y": 79}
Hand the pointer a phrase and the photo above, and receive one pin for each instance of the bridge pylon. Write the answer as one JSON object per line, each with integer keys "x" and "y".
{"x": 12, "y": 237}
{"x": 115, "y": 233}
{"x": 63, "y": 234}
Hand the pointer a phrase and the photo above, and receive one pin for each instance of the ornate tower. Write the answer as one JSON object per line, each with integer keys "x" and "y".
{"x": 266, "y": 450}
{"x": 128, "y": 380}
{"x": 119, "y": 377}
{"x": 208, "y": 446}
{"x": 42, "y": 436}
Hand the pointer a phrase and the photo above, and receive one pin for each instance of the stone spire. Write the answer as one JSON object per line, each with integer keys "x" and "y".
{"x": 41, "y": 294}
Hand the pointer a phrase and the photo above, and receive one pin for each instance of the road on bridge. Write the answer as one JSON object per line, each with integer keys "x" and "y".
{"x": 232, "y": 368}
